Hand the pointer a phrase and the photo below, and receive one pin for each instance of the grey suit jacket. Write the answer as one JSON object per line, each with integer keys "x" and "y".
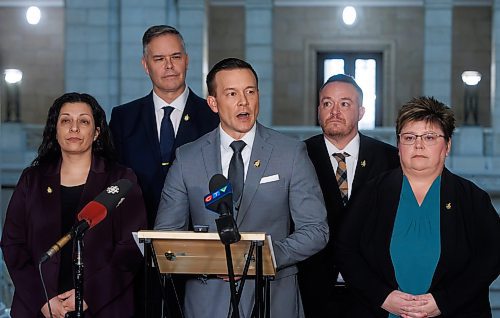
{"x": 269, "y": 207}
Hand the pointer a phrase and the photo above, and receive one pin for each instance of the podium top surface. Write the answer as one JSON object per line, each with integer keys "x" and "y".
{"x": 187, "y": 252}
{"x": 190, "y": 235}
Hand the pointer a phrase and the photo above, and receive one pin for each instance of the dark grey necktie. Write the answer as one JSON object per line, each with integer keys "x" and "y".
{"x": 236, "y": 169}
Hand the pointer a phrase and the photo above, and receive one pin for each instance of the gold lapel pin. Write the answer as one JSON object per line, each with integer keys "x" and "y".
{"x": 448, "y": 206}
{"x": 363, "y": 163}
{"x": 256, "y": 163}
{"x": 186, "y": 117}
{"x": 49, "y": 190}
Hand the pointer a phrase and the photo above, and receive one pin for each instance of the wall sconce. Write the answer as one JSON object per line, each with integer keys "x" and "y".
{"x": 33, "y": 15}
{"x": 13, "y": 79}
{"x": 349, "y": 15}
{"x": 471, "y": 81}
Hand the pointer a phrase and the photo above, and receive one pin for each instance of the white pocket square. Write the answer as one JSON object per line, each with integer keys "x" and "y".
{"x": 268, "y": 179}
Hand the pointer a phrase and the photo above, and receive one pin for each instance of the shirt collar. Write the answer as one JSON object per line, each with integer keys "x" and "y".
{"x": 179, "y": 103}
{"x": 248, "y": 138}
{"x": 352, "y": 147}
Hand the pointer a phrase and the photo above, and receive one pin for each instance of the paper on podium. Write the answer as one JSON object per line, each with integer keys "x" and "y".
{"x": 185, "y": 252}
{"x": 140, "y": 245}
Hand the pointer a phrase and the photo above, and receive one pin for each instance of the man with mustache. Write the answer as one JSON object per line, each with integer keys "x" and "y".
{"x": 344, "y": 160}
{"x": 147, "y": 131}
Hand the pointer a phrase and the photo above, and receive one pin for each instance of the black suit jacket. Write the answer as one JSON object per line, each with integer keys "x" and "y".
{"x": 111, "y": 257}
{"x": 470, "y": 245}
{"x": 318, "y": 274}
{"x": 135, "y": 136}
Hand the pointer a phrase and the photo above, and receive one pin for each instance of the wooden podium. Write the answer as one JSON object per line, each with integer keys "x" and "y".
{"x": 186, "y": 252}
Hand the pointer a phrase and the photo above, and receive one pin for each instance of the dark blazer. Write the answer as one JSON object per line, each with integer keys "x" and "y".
{"x": 470, "y": 245}
{"x": 318, "y": 274}
{"x": 135, "y": 135}
{"x": 111, "y": 257}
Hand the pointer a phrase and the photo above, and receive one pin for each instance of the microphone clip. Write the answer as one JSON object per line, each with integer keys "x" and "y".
{"x": 227, "y": 229}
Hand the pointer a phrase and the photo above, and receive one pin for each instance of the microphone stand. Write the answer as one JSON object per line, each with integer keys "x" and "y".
{"x": 78, "y": 273}
{"x": 228, "y": 233}
{"x": 232, "y": 282}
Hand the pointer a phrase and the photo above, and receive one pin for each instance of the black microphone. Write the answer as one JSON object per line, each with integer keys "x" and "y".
{"x": 93, "y": 213}
{"x": 220, "y": 200}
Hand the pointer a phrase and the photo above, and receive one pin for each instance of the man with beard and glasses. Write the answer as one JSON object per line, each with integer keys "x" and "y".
{"x": 344, "y": 160}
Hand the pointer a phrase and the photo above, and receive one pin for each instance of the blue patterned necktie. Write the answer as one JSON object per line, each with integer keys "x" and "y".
{"x": 167, "y": 136}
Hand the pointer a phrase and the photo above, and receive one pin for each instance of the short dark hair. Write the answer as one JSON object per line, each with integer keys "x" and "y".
{"x": 50, "y": 150}
{"x": 159, "y": 30}
{"x": 231, "y": 63}
{"x": 344, "y": 78}
{"x": 427, "y": 109}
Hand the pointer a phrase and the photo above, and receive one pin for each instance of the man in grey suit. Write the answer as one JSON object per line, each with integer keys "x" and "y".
{"x": 281, "y": 194}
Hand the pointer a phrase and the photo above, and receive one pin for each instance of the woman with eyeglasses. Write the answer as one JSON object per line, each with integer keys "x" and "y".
{"x": 420, "y": 241}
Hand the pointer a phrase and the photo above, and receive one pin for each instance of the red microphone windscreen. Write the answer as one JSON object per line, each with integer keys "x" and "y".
{"x": 94, "y": 212}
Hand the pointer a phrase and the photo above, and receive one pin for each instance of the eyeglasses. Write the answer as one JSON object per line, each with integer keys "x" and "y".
{"x": 428, "y": 139}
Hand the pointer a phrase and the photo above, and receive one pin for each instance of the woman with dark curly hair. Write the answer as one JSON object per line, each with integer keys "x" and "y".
{"x": 420, "y": 241}
{"x": 75, "y": 162}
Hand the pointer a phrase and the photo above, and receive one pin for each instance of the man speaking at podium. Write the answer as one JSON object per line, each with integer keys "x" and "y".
{"x": 275, "y": 191}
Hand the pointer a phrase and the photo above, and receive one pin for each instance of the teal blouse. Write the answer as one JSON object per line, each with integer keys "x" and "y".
{"x": 416, "y": 239}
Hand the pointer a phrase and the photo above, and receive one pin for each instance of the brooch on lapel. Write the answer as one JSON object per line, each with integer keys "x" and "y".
{"x": 448, "y": 206}
{"x": 256, "y": 163}
{"x": 186, "y": 117}
{"x": 363, "y": 163}
{"x": 49, "y": 190}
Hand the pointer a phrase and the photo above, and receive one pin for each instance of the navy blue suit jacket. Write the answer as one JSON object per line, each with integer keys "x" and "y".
{"x": 135, "y": 136}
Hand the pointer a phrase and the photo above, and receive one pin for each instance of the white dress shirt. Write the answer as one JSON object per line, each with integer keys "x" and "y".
{"x": 351, "y": 161}
{"x": 226, "y": 152}
{"x": 175, "y": 117}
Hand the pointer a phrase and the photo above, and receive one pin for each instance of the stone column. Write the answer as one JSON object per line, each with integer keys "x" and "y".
{"x": 88, "y": 54}
{"x": 135, "y": 17}
{"x": 103, "y": 48}
{"x": 193, "y": 25}
{"x": 495, "y": 78}
{"x": 259, "y": 51}
{"x": 438, "y": 49}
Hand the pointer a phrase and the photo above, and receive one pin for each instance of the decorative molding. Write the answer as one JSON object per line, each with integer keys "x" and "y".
{"x": 340, "y": 44}
{"x": 38, "y": 3}
{"x": 367, "y": 3}
{"x": 279, "y": 3}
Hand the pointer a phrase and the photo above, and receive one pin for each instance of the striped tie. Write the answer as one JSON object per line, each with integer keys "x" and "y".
{"x": 341, "y": 175}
